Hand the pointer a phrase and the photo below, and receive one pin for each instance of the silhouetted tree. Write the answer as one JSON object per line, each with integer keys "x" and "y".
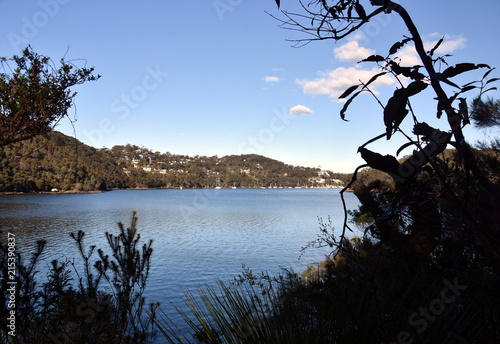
{"x": 35, "y": 95}
{"x": 485, "y": 113}
{"x": 323, "y": 19}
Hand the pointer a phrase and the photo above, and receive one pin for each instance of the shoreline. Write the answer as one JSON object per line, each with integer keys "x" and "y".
{"x": 109, "y": 190}
{"x": 51, "y": 192}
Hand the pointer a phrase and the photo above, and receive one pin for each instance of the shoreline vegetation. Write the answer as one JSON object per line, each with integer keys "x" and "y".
{"x": 165, "y": 188}
{"x": 51, "y": 192}
{"x": 101, "y": 302}
{"x": 59, "y": 162}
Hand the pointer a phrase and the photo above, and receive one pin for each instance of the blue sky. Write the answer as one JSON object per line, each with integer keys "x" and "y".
{"x": 218, "y": 77}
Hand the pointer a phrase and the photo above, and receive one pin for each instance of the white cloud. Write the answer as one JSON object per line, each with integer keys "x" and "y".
{"x": 408, "y": 56}
{"x": 176, "y": 135}
{"x": 352, "y": 52}
{"x": 300, "y": 110}
{"x": 450, "y": 44}
{"x": 357, "y": 36}
{"x": 271, "y": 79}
{"x": 333, "y": 83}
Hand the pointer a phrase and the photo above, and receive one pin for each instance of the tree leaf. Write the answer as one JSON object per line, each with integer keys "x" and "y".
{"x": 373, "y": 78}
{"x": 439, "y": 110}
{"x": 490, "y": 89}
{"x": 470, "y": 83}
{"x": 461, "y": 68}
{"x": 278, "y": 3}
{"x": 396, "y": 68}
{"x": 384, "y": 163}
{"x": 373, "y": 58}
{"x": 415, "y": 74}
{"x": 398, "y": 45}
{"x": 346, "y": 105}
{"x": 464, "y": 110}
{"x": 372, "y": 140}
{"x": 488, "y": 72}
{"x": 442, "y": 78}
{"x": 467, "y": 88}
{"x": 415, "y": 87}
{"x": 348, "y": 91}
{"x": 436, "y": 46}
{"x": 423, "y": 129}
{"x": 361, "y": 11}
{"x": 406, "y": 145}
{"x": 491, "y": 80}
{"x": 483, "y": 65}
{"x": 333, "y": 12}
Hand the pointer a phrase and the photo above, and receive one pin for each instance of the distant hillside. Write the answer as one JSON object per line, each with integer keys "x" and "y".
{"x": 61, "y": 162}
{"x": 57, "y": 161}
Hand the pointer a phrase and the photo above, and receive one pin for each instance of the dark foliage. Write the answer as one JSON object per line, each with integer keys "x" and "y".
{"x": 485, "y": 113}
{"x": 105, "y": 305}
{"x": 34, "y": 95}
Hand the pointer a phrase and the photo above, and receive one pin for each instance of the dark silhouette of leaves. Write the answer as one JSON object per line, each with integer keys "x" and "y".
{"x": 491, "y": 80}
{"x": 361, "y": 11}
{"x": 374, "y": 58}
{"x": 346, "y": 105}
{"x": 467, "y": 88}
{"x": 436, "y": 46}
{"x": 372, "y": 140}
{"x": 384, "y": 163}
{"x": 373, "y": 78}
{"x": 406, "y": 145}
{"x": 442, "y": 78}
{"x": 464, "y": 110}
{"x": 423, "y": 129}
{"x": 485, "y": 113}
{"x": 349, "y": 13}
{"x": 398, "y": 45}
{"x": 415, "y": 87}
{"x": 395, "y": 111}
{"x": 348, "y": 91}
{"x": 37, "y": 95}
{"x": 409, "y": 72}
{"x": 461, "y": 68}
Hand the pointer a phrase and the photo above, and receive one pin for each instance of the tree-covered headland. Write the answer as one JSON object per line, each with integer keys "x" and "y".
{"x": 57, "y": 161}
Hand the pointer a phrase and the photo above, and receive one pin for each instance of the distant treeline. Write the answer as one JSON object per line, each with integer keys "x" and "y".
{"x": 57, "y": 161}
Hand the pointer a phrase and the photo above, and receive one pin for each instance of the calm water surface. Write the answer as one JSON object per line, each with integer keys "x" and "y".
{"x": 199, "y": 235}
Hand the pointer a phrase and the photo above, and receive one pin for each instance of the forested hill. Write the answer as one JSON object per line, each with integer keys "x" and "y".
{"x": 61, "y": 162}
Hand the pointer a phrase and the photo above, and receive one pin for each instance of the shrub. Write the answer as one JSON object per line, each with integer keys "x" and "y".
{"x": 57, "y": 311}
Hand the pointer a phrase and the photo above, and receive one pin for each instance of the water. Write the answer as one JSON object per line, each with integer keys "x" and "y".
{"x": 199, "y": 235}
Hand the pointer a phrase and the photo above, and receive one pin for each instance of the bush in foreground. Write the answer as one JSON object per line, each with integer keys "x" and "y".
{"x": 105, "y": 305}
